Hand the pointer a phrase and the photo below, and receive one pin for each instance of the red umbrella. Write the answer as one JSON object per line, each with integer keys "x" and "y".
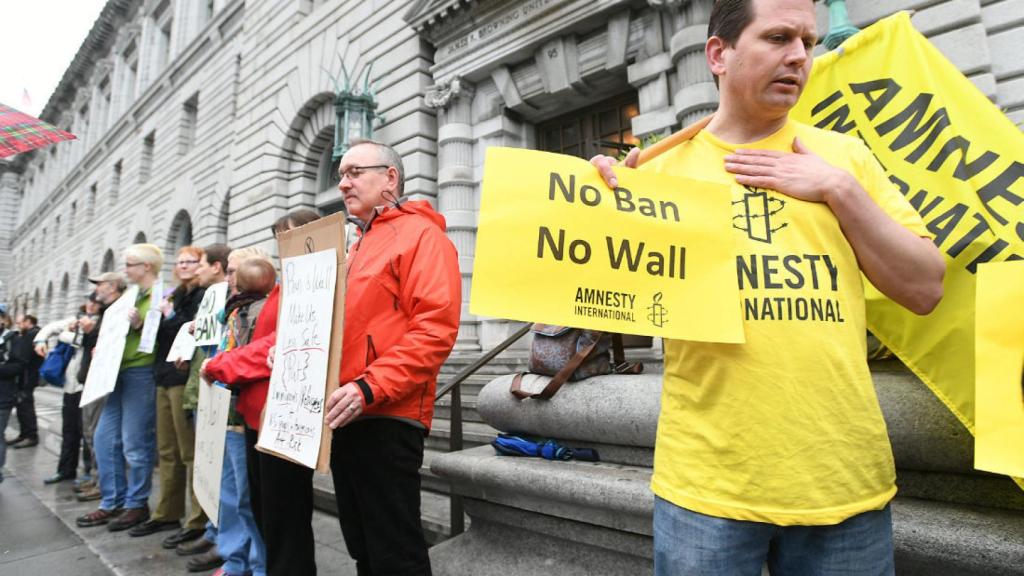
{"x": 20, "y": 132}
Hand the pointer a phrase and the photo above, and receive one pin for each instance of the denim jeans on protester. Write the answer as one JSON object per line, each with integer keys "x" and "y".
{"x": 238, "y": 538}
{"x": 126, "y": 434}
{"x": 5, "y": 416}
{"x": 687, "y": 542}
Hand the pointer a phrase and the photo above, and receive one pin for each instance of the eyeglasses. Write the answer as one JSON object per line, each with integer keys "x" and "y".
{"x": 187, "y": 262}
{"x": 353, "y": 172}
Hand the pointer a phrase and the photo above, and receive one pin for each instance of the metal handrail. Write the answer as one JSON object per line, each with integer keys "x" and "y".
{"x": 481, "y": 361}
{"x": 455, "y": 418}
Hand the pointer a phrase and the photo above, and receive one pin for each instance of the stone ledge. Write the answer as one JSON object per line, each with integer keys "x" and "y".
{"x": 936, "y": 538}
{"x": 592, "y": 410}
{"x": 613, "y": 496}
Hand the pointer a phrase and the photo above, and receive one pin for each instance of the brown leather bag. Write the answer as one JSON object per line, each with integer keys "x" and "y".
{"x": 567, "y": 353}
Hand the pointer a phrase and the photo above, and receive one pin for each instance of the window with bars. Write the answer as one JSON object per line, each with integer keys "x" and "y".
{"x": 604, "y": 128}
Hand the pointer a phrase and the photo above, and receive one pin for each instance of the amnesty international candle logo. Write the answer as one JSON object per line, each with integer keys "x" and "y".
{"x": 758, "y": 215}
{"x": 556, "y": 245}
{"x": 656, "y": 313}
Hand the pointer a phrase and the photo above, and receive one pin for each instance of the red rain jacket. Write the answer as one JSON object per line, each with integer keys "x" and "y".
{"x": 402, "y": 305}
{"x": 245, "y": 367}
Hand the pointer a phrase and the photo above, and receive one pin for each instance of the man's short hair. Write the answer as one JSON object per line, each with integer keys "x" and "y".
{"x": 729, "y": 18}
{"x": 217, "y": 253}
{"x": 387, "y": 156}
{"x": 30, "y": 319}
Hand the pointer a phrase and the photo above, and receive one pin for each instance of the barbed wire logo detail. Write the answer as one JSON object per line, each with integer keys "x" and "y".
{"x": 758, "y": 216}
{"x": 657, "y": 313}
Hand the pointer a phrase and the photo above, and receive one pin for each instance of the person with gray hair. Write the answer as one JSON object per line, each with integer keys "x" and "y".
{"x": 126, "y": 434}
{"x": 402, "y": 307}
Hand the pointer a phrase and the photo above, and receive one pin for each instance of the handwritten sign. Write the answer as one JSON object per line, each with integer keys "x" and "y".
{"x": 106, "y": 358}
{"x": 208, "y": 329}
{"x": 557, "y": 245}
{"x": 211, "y": 430}
{"x": 294, "y": 415}
{"x": 183, "y": 347}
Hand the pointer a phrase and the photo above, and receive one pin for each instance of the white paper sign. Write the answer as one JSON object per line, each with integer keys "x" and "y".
{"x": 208, "y": 328}
{"x": 152, "y": 321}
{"x": 149, "y": 328}
{"x": 295, "y": 401}
{"x": 183, "y": 347}
{"x": 211, "y": 429}
{"x": 106, "y": 358}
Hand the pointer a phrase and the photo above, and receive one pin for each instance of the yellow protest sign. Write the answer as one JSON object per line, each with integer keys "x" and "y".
{"x": 959, "y": 161}
{"x": 999, "y": 404}
{"x": 556, "y": 245}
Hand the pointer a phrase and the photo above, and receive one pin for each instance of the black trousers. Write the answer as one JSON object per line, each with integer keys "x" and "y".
{"x": 281, "y": 494}
{"x": 376, "y": 466}
{"x": 26, "y": 409}
{"x": 71, "y": 436}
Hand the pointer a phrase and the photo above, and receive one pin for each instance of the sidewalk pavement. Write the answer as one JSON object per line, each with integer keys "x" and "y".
{"x": 38, "y": 533}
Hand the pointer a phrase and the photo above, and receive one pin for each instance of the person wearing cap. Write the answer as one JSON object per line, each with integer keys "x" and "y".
{"x": 108, "y": 288}
{"x": 125, "y": 439}
{"x": 70, "y": 331}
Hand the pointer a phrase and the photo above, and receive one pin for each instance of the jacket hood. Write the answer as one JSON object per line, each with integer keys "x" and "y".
{"x": 407, "y": 208}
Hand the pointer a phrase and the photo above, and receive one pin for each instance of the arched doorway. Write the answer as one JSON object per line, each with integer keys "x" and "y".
{"x": 82, "y": 287}
{"x": 180, "y": 233}
{"x": 108, "y": 261}
{"x": 140, "y": 237}
{"x": 64, "y": 302}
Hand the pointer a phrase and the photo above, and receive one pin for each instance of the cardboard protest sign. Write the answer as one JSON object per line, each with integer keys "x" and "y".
{"x": 307, "y": 357}
{"x": 999, "y": 363}
{"x": 652, "y": 257}
{"x": 106, "y": 358}
{"x": 211, "y": 430}
{"x": 183, "y": 347}
{"x": 208, "y": 329}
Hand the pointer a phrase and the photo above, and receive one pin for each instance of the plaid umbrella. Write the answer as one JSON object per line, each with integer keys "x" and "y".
{"x": 20, "y": 132}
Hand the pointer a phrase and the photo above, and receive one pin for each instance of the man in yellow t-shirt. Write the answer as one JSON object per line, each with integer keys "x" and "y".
{"x": 775, "y": 450}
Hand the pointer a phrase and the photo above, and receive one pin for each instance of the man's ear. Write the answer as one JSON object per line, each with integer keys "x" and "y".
{"x": 714, "y": 52}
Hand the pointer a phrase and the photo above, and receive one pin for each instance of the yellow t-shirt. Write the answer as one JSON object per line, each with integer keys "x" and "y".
{"x": 785, "y": 428}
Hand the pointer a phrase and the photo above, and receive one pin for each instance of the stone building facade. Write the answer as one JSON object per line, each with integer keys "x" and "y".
{"x": 204, "y": 120}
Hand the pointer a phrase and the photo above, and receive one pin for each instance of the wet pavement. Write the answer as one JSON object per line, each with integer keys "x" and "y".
{"x": 38, "y": 535}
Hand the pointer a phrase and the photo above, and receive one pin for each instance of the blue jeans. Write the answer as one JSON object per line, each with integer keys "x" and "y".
{"x": 126, "y": 434}
{"x": 238, "y": 538}
{"x": 5, "y": 415}
{"x": 693, "y": 544}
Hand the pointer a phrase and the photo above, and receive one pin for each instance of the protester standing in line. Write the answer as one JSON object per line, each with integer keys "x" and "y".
{"x": 126, "y": 435}
{"x": 775, "y": 451}
{"x": 285, "y": 523}
{"x": 109, "y": 287}
{"x": 175, "y": 434}
{"x": 11, "y": 367}
{"x": 28, "y": 427}
{"x": 212, "y": 269}
{"x": 251, "y": 277}
{"x": 403, "y": 298}
{"x": 70, "y": 331}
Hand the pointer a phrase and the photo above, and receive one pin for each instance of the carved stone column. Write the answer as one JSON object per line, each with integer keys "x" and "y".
{"x": 697, "y": 95}
{"x": 456, "y": 197}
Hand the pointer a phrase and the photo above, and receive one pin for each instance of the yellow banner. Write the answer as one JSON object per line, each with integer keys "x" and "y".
{"x": 1000, "y": 355}
{"x": 556, "y": 245}
{"x": 959, "y": 161}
